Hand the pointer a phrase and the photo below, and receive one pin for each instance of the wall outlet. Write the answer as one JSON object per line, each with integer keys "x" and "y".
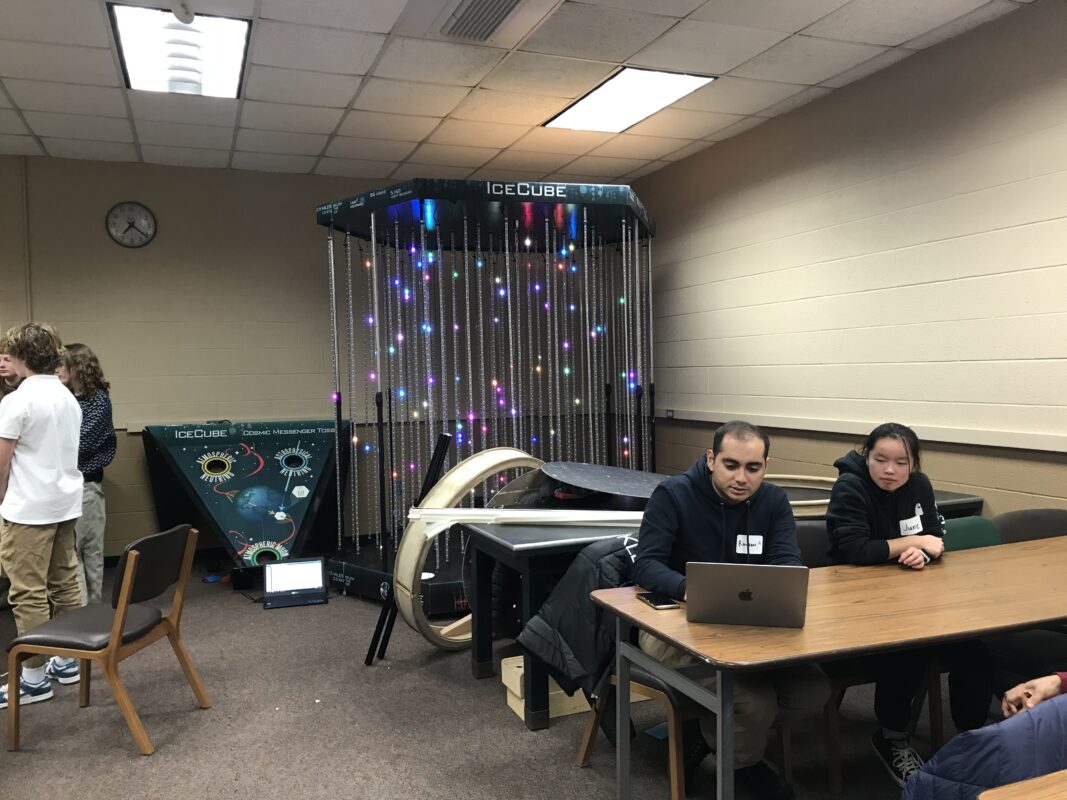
{"x": 670, "y": 413}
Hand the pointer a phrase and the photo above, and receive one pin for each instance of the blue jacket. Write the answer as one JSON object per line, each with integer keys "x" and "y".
{"x": 686, "y": 520}
{"x": 1029, "y": 744}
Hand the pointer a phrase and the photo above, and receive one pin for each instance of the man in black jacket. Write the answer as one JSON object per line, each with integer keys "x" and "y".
{"x": 720, "y": 510}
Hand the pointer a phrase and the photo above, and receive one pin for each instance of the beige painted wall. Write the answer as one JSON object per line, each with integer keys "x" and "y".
{"x": 224, "y": 315}
{"x": 1008, "y": 479}
{"x": 895, "y": 250}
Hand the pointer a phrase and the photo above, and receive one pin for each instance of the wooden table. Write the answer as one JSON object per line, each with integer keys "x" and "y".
{"x": 851, "y": 611}
{"x": 1047, "y": 787}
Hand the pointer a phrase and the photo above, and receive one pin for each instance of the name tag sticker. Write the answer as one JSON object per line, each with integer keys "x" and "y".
{"x": 909, "y": 527}
{"x": 751, "y": 544}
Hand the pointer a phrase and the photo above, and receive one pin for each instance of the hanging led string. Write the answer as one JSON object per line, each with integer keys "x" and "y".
{"x": 353, "y": 443}
{"x": 509, "y": 399}
{"x": 481, "y": 269}
{"x": 396, "y": 377}
{"x": 336, "y": 376}
{"x": 374, "y": 378}
{"x": 468, "y": 335}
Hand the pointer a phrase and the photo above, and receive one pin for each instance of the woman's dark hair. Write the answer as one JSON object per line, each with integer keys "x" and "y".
{"x": 86, "y": 376}
{"x": 894, "y": 430}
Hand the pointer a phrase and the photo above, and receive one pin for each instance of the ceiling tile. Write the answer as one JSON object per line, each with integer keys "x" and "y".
{"x": 278, "y": 117}
{"x": 300, "y": 87}
{"x": 516, "y": 109}
{"x": 788, "y": 17}
{"x": 708, "y": 48}
{"x": 3, "y": 99}
{"x": 678, "y": 123}
{"x": 608, "y": 167}
{"x": 415, "y": 59}
{"x": 530, "y": 162}
{"x": 373, "y": 125}
{"x": 552, "y": 75}
{"x": 367, "y": 15}
{"x": 737, "y": 95}
{"x": 688, "y": 150}
{"x": 79, "y": 126}
{"x": 647, "y": 169}
{"x": 669, "y": 8}
{"x": 979, "y": 16}
{"x": 355, "y": 168}
{"x": 748, "y": 123}
{"x": 567, "y": 177}
{"x": 562, "y": 140}
{"x": 19, "y": 145}
{"x": 597, "y": 33}
{"x": 802, "y": 59}
{"x": 503, "y": 174}
{"x": 279, "y": 44}
{"x": 451, "y": 155}
{"x": 354, "y": 148}
{"x": 307, "y": 144}
{"x": 55, "y": 21}
{"x": 868, "y": 67}
{"x": 180, "y": 134}
{"x": 406, "y": 171}
{"x": 166, "y": 107}
{"x": 92, "y": 151}
{"x": 486, "y": 134}
{"x": 398, "y": 97}
{"x": 11, "y": 123}
{"x": 56, "y": 62}
{"x": 267, "y": 162}
{"x": 796, "y": 101}
{"x": 642, "y": 147}
{"x": 889, "y": 22}
{"x": 185, "y": 156}
{"x": 66, "y": 97}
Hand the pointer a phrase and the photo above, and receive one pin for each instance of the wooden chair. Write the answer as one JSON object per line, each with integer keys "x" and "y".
{"x": 679, "y": 710}
{"x": 107, "y": 635}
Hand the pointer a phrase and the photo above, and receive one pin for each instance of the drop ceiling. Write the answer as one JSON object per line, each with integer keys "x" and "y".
{"x": 374, "y": 89}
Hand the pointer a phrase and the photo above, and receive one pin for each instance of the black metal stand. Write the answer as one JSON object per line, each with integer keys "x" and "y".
{"x": 639, "y": 441}
{"x": 384, "y": 629}
{"x": 652, "y": 426}
{"x": 609, "y": 424}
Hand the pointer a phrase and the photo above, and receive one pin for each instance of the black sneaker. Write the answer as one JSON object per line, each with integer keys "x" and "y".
{"x": 761, "y": 781}
{"x": 694, "y": 750}
{"x": 899, "y": 757}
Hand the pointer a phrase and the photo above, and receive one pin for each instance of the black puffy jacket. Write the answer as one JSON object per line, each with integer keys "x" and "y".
{"x": 571, "y": 634}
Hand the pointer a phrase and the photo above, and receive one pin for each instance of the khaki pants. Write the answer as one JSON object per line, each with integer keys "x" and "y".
{"x": 42, "y": 565}
{"x": 89, "y": 536}
{"x": 760, "y": 698}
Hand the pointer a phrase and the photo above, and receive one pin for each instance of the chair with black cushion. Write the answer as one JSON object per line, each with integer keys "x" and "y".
{"x": 1028, "y": 524}
{"x": 814, "y": 543}
{"x": 107, "y": 634}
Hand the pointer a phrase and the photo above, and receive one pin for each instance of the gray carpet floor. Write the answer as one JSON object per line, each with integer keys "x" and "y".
{"x": 296, "y": 714}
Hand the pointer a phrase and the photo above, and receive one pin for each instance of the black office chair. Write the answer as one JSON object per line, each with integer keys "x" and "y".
{"x": 109, "y": 634}
{"x": 1028, "y": 524}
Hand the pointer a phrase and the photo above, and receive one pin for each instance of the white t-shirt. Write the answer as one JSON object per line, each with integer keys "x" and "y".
{"x": 45, "y": 485}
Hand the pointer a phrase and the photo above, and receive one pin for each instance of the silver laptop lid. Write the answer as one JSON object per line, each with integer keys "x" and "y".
{"x": 769, "y": 595}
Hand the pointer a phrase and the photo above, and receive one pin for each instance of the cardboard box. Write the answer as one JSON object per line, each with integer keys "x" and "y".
{"x": 559, "y": 704}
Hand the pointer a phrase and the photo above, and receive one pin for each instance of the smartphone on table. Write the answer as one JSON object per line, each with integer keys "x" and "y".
{"x": 658, "y": 600}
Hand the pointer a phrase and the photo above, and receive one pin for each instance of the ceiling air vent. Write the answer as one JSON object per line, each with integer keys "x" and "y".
{"x": 477, "y": 20}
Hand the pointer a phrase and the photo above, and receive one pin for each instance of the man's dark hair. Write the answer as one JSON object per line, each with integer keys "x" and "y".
{"x": 35, "y": 344}
{"x": 739, "y": 429}
{"x": 894, "y": 430}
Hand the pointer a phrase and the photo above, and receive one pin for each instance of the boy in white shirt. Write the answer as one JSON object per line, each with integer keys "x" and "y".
{"x": 40, "y": 498}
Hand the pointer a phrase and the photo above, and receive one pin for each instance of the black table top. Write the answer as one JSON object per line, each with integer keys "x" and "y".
{"x": 531, "y": 538}
{"x": 601, "y": 478}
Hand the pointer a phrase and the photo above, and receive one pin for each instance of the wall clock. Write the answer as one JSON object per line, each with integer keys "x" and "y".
{"x": 131, "y": 224}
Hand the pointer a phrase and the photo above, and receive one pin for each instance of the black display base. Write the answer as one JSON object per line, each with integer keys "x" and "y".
{"x": 362, "y": 574}
{"x": 245, "y": 579}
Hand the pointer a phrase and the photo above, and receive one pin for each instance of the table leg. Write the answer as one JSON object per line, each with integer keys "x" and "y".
{"x": 534, "y": 674}
{"x": 622, "y": 712}
{"x": 724, "y": 724}
{"x": 481, "y": 606}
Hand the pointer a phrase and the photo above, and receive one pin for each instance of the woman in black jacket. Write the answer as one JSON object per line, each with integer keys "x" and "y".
{"x": 882, "y": 510}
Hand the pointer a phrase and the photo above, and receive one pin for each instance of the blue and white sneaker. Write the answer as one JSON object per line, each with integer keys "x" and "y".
{"x": 28, "y": 692}
{"x": 66, "y": 671}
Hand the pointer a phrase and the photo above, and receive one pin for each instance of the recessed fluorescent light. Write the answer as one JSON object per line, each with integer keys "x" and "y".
{"x": 627, "y": 98}
{"x": 161, "y": 54}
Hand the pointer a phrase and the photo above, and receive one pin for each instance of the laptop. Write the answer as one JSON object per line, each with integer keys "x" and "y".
{"x": 770, "y": 595}
{"x": 297, "y": 582}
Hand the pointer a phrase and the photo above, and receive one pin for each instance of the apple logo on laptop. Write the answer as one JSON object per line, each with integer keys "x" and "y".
{"x": 745, "y": 595}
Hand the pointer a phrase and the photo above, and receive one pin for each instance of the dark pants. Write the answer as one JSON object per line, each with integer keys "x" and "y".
{"x": 899, "y": 677}
{"x": 1020, "y": 656}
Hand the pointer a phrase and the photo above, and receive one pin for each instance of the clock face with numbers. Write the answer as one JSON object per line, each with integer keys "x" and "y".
{"x": 131, "y": 224}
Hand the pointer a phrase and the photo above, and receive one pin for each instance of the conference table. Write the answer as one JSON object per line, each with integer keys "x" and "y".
{"x": 1046, "y": 787}
{"x": 851, "y": 611}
